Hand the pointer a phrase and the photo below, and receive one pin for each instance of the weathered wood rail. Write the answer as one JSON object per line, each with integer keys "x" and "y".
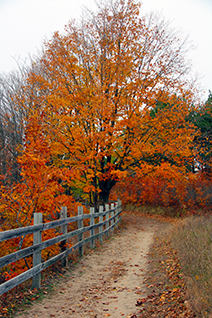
{"x": 104, "y": 220}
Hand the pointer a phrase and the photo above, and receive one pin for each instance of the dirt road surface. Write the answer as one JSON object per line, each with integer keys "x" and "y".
{"x": 108, "y": 281}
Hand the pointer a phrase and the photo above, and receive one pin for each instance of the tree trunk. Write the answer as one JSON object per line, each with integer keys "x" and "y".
{"x": 105, "y": 187}
{"x": 104, "y": 196}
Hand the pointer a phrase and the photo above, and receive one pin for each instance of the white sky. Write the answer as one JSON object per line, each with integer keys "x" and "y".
{"x": 24, "y": 24}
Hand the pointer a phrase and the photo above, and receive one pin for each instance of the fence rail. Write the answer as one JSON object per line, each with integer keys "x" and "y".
{"x": 107, "y": 220}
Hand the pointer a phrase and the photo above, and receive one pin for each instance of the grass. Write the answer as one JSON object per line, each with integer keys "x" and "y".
{"x": 192, "y": 239}
{"x": 155, "y": 210}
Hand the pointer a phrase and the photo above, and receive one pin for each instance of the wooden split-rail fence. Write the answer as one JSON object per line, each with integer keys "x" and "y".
{"x": 104, "y": 221}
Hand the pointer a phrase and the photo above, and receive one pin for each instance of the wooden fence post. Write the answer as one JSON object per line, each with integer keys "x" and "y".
{"x": 119, "y": 210}
{"x": 107, "y": 208}
{"x": 64, "y": 230}
{"x": 92, "y": 230}
{"x": 101, "y": 227}
{"x": 80, "y": 225}
{"x": 112, "y": 214}
{"x": 116, "y": 212}
{"x": 36, "y": 281}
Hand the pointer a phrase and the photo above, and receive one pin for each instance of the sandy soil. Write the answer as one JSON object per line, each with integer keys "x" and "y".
{"x": 108, "y": 281}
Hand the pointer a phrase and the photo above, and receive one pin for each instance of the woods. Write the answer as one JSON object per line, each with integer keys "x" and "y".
{"x": 105, "y": 111}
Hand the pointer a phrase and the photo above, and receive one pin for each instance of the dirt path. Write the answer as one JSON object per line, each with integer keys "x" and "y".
{"x": 107, "y": 282}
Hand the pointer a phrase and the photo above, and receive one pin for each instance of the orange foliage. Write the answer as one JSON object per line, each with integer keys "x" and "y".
{"x": 165, "y": 186}
{"x": 93, "y": 93}
{"x": 40, "y": 190}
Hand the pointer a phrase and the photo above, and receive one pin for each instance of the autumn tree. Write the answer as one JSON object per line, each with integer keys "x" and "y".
{"x": 94, "y": 92}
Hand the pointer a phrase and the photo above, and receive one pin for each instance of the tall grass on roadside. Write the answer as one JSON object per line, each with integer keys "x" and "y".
{"x": 192, "y": 239}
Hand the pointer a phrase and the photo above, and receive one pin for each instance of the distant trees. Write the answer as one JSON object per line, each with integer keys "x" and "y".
{"x": 11, "y": 125}
{"x": 202, "y": 118}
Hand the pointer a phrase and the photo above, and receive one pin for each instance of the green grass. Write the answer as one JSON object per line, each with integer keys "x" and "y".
{"x": 192, "y": 239}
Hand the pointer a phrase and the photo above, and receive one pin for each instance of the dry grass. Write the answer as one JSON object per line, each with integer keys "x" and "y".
{"x": 192, "y": 239}
{"x": 149, "y": 210}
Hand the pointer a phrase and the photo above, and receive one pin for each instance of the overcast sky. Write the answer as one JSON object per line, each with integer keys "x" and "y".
{"x": 24, "y": 24}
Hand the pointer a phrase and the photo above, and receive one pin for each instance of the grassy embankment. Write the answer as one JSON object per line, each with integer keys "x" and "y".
{"x": 192, "y": 239}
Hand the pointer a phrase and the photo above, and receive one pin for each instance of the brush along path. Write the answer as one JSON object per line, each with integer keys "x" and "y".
{"x": 108, "y": 281}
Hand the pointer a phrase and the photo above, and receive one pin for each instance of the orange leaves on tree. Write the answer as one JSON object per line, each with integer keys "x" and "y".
{"x": 96, "y": 94}
{"x": 39, "y": 190}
